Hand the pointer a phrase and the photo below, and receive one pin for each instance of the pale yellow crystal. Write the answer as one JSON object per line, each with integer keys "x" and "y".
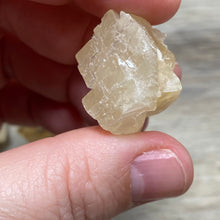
{"x": 129, "y": 71}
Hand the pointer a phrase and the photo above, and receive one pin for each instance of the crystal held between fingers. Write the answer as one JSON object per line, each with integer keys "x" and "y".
{"x": 129, "y": 71}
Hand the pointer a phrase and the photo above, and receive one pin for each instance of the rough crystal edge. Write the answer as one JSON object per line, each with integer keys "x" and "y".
{"x": 162, "y": 101}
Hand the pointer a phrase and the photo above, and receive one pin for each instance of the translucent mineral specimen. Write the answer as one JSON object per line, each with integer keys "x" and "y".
{"x": 129, "y": 71}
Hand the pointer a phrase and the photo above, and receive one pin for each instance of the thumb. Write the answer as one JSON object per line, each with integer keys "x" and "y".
{"x": 90, "y": 174}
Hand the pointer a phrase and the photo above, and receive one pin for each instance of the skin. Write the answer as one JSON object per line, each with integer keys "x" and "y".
{"x": 70, "y": 176}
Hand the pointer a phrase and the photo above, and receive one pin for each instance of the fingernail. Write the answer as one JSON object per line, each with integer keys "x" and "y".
{"x": 157, "y": 174}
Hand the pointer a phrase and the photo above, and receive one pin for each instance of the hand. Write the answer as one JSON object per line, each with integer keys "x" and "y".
{"x": 38, "y": 46}
{"x": 86, "y": 173}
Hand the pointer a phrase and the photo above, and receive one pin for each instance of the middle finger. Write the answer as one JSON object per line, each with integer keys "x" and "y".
{"x": 56, "y": 81}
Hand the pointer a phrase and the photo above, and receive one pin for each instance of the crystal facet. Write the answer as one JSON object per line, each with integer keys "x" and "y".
{"x": 129, "y": 71}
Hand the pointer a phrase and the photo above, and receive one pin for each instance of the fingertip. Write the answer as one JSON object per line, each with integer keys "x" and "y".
{"x": 162, "y": 169}
{"x": 184, "y": 160}
{"x": 161, "y": 12}
{"x": 90, "y": 166}
{"x": 187, "y": 165}
{"x": 155, "y": 12}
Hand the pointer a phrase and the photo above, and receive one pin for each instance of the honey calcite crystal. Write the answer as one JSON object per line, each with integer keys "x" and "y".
{"x": 129, "y": 71}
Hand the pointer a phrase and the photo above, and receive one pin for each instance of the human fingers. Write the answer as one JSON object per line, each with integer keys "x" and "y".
{"x": 155, "y": 11}
{"x": 37, "y": 73}
{"x": 165, "y": 9}
{"x": 91, "y": 174}
{"x": 19, "y": 105}
{"x": 55, "y": 81}
{"x": 58, "y": 32}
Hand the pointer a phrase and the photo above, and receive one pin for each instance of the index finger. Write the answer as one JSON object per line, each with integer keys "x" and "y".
{"x": 58, "y": 32}
{"x": 155, "y": 11}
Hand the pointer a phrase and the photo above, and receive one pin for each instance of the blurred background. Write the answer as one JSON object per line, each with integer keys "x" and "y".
{"x": 194, "y": 37}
